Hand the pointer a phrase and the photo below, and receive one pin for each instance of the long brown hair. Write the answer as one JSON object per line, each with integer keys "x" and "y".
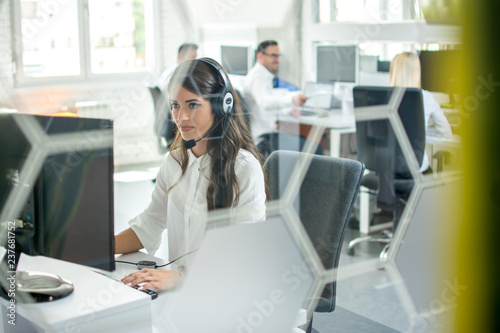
{"x": 228, "y": 135}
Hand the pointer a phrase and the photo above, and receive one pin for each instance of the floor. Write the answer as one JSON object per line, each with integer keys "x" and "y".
{"x": 367, "y": 298}
{"x": 371, "y": 301}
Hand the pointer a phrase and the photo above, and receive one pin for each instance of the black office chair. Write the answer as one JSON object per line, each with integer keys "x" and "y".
{"x": 378, "y": 148}
{"x": 244, "y": 109}
{"x": 164, "y": 126}
{"x": 326, "y": 198}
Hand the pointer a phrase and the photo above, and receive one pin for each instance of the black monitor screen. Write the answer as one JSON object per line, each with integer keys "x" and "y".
{"x": 70, "y": 211}
{"x": 235, "y": 59}
{"x": 440, "y": 70}
{"x": 336, "y": 63}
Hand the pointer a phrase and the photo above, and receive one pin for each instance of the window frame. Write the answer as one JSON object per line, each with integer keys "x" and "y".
{"x": 153, "y": 57}
{"x": 331, "y": 6}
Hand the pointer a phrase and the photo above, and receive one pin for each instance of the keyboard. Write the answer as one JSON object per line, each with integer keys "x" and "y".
{"x": 306, "y": 112}
{"x": 153, "y": 294}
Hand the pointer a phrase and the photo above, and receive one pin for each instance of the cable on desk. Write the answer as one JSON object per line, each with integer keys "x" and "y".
{"x": 126, "y": 262}
{"x": 152, "y": 264}
{"x": 175, "y": 259}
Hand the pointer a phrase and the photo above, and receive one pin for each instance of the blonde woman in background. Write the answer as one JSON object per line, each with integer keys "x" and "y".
{"x": 405, "y": 72}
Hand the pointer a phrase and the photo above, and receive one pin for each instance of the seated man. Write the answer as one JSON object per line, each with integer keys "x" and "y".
{"x": 266, "y": 103}
{"x": 187, "y": 51}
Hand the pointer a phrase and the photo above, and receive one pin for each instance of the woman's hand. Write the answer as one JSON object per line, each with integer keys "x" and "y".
{"x": 159, "y": 279}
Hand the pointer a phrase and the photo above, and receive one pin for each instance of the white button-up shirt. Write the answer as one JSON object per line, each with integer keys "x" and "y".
{"x": 165, "y": 77}
{"x": 264, "y": 102}
{"x": 183, "y": 211}
{"x": 432, "y": 110}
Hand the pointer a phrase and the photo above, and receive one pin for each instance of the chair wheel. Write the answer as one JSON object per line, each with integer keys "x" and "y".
{"x": 350, "y": 251}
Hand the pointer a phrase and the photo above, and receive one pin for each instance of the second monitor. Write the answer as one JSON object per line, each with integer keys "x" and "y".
{"x": 337, "y": 63}
{"x": 236, "y": 59}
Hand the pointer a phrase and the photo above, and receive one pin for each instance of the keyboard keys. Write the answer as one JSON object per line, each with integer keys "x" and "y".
{"x": 150, "y": 292}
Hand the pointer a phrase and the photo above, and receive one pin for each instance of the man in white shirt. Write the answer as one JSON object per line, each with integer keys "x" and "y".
{"x": 266, "y": 103}
{"x": 187, "y": 51}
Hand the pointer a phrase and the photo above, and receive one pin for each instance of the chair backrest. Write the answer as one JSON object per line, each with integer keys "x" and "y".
{"x": 324, "y": 203}
{"x": 164, "y": 126}
{"x": 244, "y": 109}
{"x": 155, "y": 92}
{"x": 378, "y": 147}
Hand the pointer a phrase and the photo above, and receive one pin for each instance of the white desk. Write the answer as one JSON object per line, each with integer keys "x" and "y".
{"x": 336, "y": 121}
{"x": 158, "y": 306}
{"x": 98, "y": 304}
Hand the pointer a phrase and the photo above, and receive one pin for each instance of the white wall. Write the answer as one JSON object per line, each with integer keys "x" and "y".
{"x": 6, "y": 82}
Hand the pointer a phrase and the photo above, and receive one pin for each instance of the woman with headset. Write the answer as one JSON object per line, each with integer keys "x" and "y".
{"x": 213, "y": 163}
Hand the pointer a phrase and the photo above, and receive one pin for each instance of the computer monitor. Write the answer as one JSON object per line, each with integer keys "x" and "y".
{"x": 440, "y": 71}
{"x": 236, "y": 59}
{"x": 319, "y": 95}
{"x": 337, "y": 63}
{"x": 69, "y": 214}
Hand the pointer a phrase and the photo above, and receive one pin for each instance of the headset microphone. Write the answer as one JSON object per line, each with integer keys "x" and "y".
{"x": 191, "y": 143}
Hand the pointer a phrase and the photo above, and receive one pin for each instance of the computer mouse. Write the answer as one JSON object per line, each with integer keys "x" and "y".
{"x": 42, "y": 287}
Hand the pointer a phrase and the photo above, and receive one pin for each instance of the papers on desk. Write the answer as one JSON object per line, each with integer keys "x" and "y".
{"x": 334, "y": 119}
{"x": 319, "y": 96}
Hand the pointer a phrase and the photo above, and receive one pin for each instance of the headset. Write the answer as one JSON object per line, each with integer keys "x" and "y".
{"x": 222, "y": 101}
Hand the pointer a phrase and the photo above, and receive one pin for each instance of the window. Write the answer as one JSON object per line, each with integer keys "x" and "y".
{"x": 368, "y": 11}
{"x": 44, "y": 30}
{"x": 117, "y": 36}
{"x": 81, "y": 39}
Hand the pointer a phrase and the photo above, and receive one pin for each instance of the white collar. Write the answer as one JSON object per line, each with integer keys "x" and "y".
{"x": 203, "y": 161}
{"x": 263, "y": 69}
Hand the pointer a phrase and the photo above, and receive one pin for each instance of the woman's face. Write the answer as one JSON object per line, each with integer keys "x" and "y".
{"x": 192, "y": 114}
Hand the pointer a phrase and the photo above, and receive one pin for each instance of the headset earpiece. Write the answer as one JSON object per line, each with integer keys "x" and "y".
{"x": 228, "y": 102}
{"x": 224, "y": 101}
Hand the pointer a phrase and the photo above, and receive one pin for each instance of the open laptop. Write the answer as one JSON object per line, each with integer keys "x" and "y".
{"x": 320, "y": 98}
{"x": 247, "y": 277}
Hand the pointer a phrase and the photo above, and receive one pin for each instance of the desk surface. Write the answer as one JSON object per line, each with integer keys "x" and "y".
{"x": 334, "y": 119}
{"x": 158, "y": 306}
{"x": 99, "y": 302}
{"x": 96, "y": 303}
